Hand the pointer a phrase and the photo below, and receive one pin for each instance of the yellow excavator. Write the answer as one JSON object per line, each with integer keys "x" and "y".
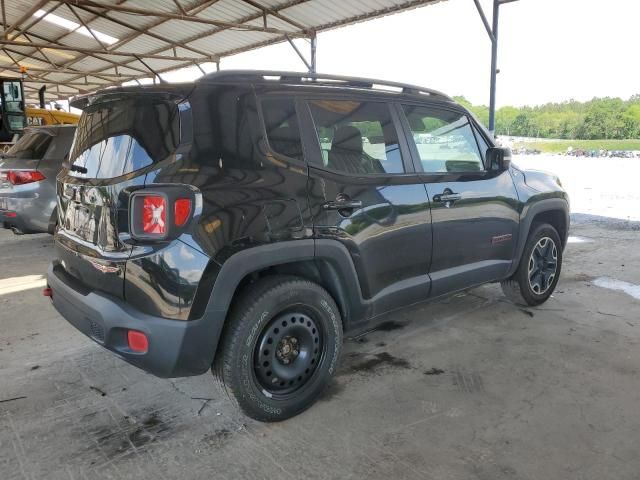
{"x": 15, "y": 115}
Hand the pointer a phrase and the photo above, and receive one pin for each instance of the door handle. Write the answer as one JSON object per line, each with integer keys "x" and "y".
{"x": 342, "y": 205}
{"x": 447, "y": 196}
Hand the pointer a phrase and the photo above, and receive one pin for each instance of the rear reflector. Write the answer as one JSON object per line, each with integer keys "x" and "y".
{"x": 21, "y": 177}
{"x": 47, "y": 292}
{"x": 137, "y": 341}
{"x": 154, "y": 214}
{"x": 181, "y": 211}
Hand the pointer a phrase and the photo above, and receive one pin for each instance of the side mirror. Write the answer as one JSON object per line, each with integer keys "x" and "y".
{"x": 498, "y": 158}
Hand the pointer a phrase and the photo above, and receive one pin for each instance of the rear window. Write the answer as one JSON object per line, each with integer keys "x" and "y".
{"x": 32, "y": 145}
{"x": 121, "y": 137}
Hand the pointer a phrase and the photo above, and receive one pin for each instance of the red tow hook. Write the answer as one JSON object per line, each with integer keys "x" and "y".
{"x": 47, "y": 292}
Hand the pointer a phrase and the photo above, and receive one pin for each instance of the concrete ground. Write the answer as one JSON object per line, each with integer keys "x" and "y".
{"x": 468, "y": 387}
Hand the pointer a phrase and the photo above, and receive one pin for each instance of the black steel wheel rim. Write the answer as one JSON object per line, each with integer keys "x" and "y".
{"x": 287, "y": 353}
{"x": 543, "y": 265}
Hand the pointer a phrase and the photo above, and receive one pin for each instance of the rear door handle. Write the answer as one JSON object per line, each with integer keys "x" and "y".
{"x": 342, "y": 205}
{"x": 447, "y": 196}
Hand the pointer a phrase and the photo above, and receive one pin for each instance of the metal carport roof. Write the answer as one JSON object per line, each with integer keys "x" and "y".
{"x": 75, "y": 46}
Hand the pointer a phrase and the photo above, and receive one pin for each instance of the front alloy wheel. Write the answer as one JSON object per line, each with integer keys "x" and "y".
{"x": 539, "y": 269}
{"x": 543, "y": 264}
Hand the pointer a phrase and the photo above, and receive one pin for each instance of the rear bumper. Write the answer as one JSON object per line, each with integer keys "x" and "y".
{"x": 32, "y": 214}
{"x": 177, "y": 348}
{"x": 11, "y": 219}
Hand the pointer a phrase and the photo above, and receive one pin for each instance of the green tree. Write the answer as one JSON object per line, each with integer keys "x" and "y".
{"x": 599, "y": 118}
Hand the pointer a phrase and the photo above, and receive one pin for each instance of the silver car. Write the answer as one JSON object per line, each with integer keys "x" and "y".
{"x": 28, "y": 178}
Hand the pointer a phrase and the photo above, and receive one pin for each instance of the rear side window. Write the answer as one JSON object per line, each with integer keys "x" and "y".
{"x": 281, "y": 125}
{"x": 32, "y": 145}
{"x": 357, "y": 137}
{"x": 117, "y": 138}
{"x": 444, "y": 139}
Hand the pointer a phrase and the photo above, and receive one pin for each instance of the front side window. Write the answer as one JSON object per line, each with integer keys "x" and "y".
{"x": 357, "y": 137}
{"x": 281, "y": 125}
{"x": 444, "y": 139}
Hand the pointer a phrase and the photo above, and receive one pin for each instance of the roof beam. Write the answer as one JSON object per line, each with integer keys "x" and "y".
{"x": 116, "y": 53}
{"x": 194, "y": 10}
{"x": 248, "y": 18}
{"x": 142, "y": 32}
{"x": 59, "y": 69}
{"x": 208, "y": 33}
{"x": 113, "y": 77}
{"x": 65, "y": 35}
{"x": 180, "y": 7}
{"x": 27, "y": 15}
{"x": 276, "y": 14}
{"x": 88, "y": 85}
{"x": 95, "y": 37}
{"x": 186, "y": 18}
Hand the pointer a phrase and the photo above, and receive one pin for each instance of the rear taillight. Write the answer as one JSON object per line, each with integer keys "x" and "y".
{"x": 21, "y": 177}
{"x": 154, "y": 215}
{"x": 181, "y": 211}
{"x": 159, "y": 214}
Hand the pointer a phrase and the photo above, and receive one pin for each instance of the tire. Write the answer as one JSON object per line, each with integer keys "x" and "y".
{"x": 519, "y": 289}
{"x": 280, "y": 347}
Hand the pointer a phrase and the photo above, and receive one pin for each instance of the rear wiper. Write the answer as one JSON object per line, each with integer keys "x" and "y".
{"x": 78, "y": 168}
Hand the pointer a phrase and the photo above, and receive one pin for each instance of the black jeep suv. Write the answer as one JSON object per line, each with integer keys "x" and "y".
{"x": 244, "y": 222}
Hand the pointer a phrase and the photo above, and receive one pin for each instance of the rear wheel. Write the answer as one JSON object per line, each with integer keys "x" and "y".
{"x": 280, "y": 347}
{"x": 539, "y": 268}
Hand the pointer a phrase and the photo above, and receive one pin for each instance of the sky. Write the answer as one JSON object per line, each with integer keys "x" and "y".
{"x": 549, "y": 50}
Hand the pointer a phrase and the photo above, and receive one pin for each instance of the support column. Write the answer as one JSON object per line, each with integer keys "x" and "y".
{"x": 492, "y": 32}
{"x": 494, "y": 68}
{"x": 314, "y": 40}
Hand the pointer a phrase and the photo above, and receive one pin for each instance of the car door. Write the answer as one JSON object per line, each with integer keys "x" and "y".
{"x": 365, "y": 193}
{"x": 474, "y": 208}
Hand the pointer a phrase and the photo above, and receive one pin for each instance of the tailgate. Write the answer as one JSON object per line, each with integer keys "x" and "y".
{"x": 117, "y": 142}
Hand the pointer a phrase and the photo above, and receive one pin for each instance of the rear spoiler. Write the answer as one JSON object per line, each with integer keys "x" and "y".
{"x": 110, "y": 95}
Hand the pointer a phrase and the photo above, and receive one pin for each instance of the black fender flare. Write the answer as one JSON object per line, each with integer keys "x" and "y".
{"x": 332, "y": 259}
{"x": 526, "y": 220}
{"x": 253, "y": 259}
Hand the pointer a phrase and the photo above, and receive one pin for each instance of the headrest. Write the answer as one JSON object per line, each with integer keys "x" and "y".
{"x": 347, "y": 138}
{"x": 285, "y": 134}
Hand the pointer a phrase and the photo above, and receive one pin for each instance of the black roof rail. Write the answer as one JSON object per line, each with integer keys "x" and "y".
{"x": 265, "y": 76}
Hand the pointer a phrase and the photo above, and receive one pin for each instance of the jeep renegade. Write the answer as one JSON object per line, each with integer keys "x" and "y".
{"x": 244, "y": 222}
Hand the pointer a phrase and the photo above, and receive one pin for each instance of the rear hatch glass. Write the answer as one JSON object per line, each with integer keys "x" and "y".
{"x": 115, "y": 142}
{"x": 123, "y": 136}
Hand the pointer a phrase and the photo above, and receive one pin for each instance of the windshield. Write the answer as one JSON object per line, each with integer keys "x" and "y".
{"x": 32, "y": 145}
{"x": 123, "y": 136}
